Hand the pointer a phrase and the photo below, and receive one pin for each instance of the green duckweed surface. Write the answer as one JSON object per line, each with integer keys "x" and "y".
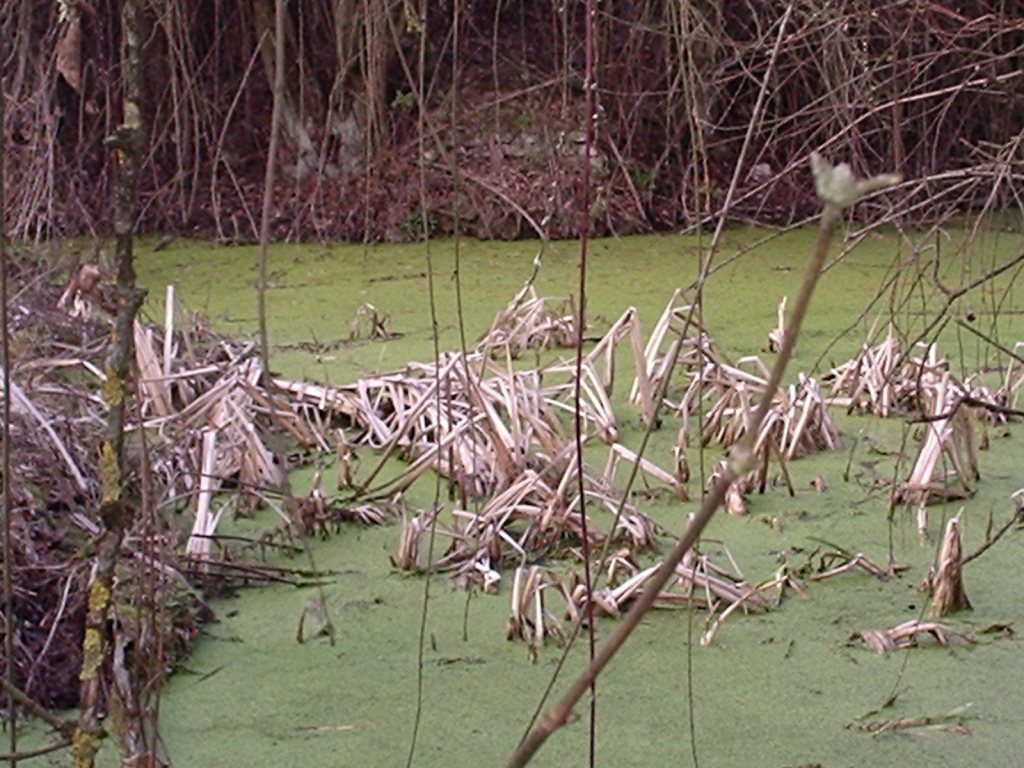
{"x": 779, "y": 689}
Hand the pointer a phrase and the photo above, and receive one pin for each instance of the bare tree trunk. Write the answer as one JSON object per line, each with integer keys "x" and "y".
{"x": 358, "y": 109}
{"x": 114, "y": 512}
{"x": 272, "y": 37}
{"x": 349, "y": 127}
{"x": 268, "y": 181}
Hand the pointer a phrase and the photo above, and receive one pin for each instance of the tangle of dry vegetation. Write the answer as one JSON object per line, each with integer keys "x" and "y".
{"x": 188, "y": 385}
{"x": 56, "y": 432}
{"x": 929, "y": 87}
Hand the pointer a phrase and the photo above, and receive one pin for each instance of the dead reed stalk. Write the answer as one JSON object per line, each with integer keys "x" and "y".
{"x": 947, "y": 583}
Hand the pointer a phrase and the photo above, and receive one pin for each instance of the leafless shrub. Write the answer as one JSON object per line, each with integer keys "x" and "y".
{"x": 928, "y": 88}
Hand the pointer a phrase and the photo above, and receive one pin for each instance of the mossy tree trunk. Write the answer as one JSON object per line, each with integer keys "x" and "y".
{"x": 116, "y": 510}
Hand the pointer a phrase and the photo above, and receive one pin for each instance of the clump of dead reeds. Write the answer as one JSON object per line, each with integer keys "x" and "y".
{"x": 530, "y": 322}
{"x": 869, "y": 383}
{"x": 882, "y": 380}
{"x": 698, "y": 581}
{"x": 529, "y": 619}
{"x": 947, "y": 462}
{"x": 797, "y": 422}
{"x": 370, "y": 323}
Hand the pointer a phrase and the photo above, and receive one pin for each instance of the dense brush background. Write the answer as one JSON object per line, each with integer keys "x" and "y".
{"x": 931, "y": 88}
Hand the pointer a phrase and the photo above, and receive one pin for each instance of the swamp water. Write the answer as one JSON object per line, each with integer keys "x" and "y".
{"x": 778, "y": 689}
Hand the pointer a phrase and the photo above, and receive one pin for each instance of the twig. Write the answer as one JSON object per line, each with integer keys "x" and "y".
{"x": 419, "y": 87}
{"x": 30, "y": 678}
{"x": 590, "y": 88}
{"x": 19, "y": 396}
{"x": 14, "y": 757}
{"x": 1017, "y": 517}
{"x": 35, "y": 709}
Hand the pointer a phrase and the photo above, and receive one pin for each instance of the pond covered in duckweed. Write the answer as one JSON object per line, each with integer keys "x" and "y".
{"x": 785, "y": 688}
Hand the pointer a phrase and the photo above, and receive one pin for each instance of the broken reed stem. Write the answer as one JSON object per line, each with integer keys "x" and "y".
{"x": 948, "y": 591}
{"x": 737, "y": 465}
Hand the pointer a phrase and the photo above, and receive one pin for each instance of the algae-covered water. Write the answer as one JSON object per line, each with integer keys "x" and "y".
{"x": 779, "y": 689}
